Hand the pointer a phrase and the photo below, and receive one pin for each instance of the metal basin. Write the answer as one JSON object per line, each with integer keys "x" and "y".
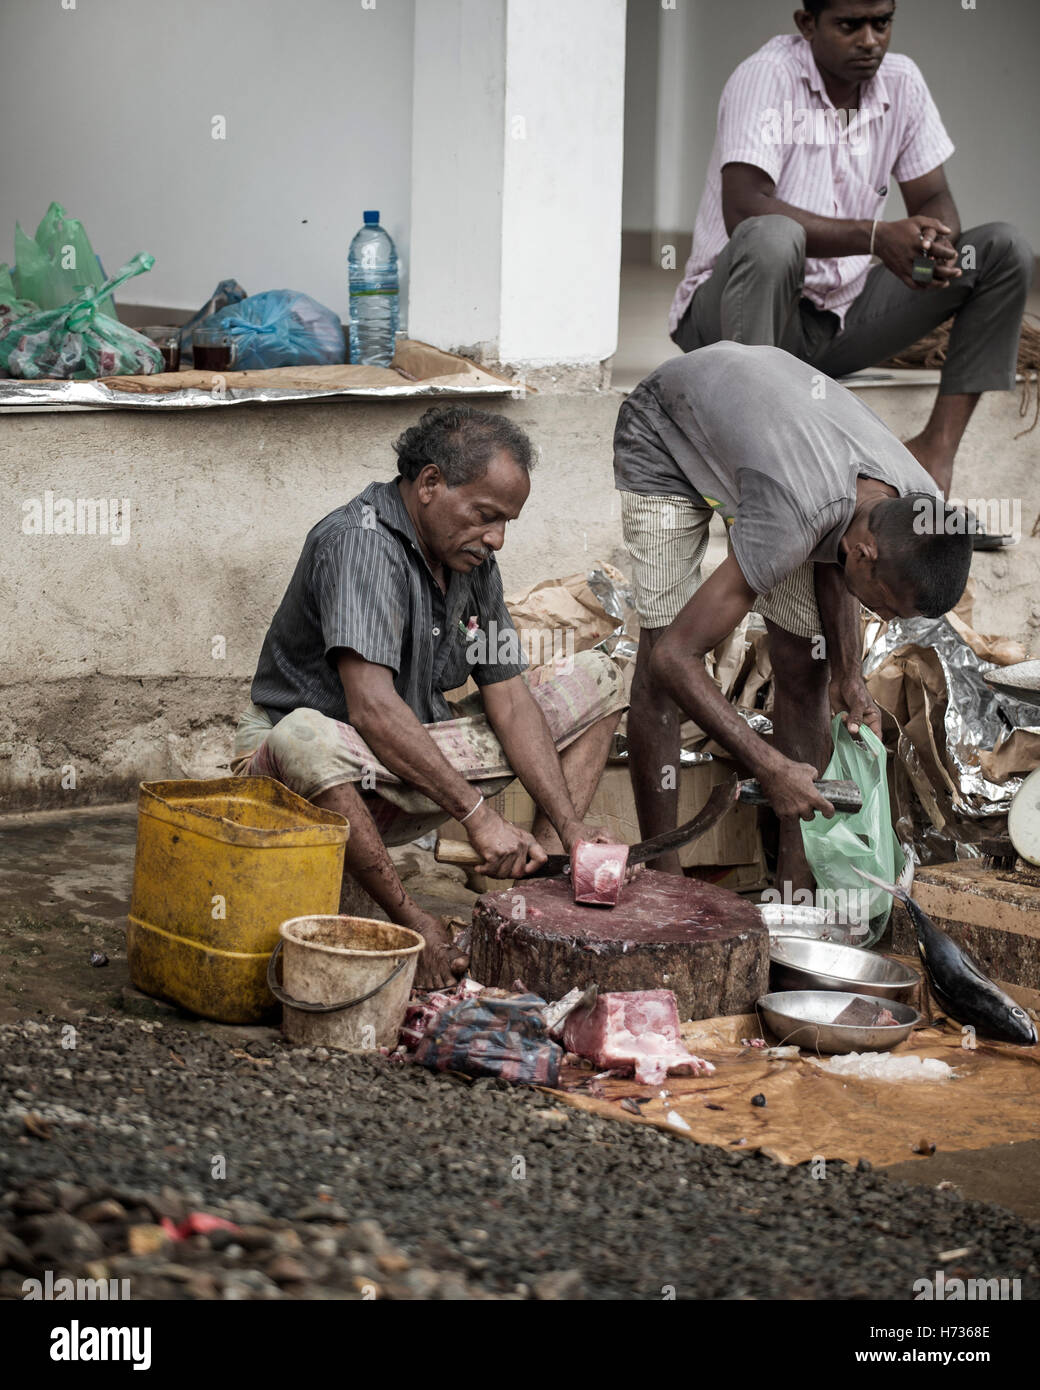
{"x": 1022, "y": 680}
{"x": 797, "y": 962}
{"x": 805, "y": 1017}
{"x": 783, "y": 919}
{"x": 825, "y": 922}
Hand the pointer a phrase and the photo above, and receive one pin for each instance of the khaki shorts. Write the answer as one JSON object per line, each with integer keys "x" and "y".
{"x": 667, "y": 536}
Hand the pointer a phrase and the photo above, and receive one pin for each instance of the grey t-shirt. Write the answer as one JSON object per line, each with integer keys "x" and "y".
{"x": 769, "y": 442}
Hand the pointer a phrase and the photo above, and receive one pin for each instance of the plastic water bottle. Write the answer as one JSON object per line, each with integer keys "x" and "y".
{"x": 373, "y": 294}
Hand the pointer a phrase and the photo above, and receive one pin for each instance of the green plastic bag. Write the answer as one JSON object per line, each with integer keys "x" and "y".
{"x": 54, "y": 266}
{"x": 864, "y": 839}
{"x": 11, "y": 307}
{"x": 78, "y": 342}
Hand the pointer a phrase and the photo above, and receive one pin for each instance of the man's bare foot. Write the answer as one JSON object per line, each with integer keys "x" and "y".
{"x": 441, "y": 964}
{"x": 935, "y": 460}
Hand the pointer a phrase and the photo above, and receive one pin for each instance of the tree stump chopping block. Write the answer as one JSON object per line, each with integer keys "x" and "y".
{"x": 706, "y": 944}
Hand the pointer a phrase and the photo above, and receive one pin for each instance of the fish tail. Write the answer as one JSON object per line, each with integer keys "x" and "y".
{"x": 893, "y": 888}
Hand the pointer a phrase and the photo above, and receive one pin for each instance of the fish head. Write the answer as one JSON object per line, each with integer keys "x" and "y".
{"x": 1022, "y": 1026}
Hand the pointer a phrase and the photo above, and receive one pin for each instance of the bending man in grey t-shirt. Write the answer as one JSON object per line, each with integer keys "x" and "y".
{"x": 825, "y": 510}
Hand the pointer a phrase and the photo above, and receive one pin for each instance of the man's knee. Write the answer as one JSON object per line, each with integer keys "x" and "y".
{"x": 299, "y": 726}
{"x": 999, "y": 243}
{"x": 606, "y": 675}
{"x": 800, "y": 675}
{"x": 773, "y": 242}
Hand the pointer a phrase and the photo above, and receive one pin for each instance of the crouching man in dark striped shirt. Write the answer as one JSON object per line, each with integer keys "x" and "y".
{"x": 396, "y": 599}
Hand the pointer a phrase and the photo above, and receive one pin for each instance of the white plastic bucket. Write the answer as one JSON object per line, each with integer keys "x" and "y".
{"x": 345, "y": 981}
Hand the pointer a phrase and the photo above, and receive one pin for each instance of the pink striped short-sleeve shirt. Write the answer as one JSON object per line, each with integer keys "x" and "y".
{"x": 775, "y": 114}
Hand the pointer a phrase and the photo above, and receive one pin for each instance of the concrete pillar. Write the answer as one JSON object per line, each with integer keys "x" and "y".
{"x": 516, "y": 178}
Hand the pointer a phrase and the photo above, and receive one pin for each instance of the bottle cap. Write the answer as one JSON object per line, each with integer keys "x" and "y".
{"x": 371, "y": 219}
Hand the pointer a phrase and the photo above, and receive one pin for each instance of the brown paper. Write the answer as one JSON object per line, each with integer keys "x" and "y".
{"x": 759, "y": 675}
{"x": 1014, "y": 757}
{"x": 910, "y": 688}
{"x": 964, "y": 608}
{"x": 325, "y": 378}
{"x": 811, "y": 1114}
{"x": 567, "y": 604}
{"x": 1002, "y": 651}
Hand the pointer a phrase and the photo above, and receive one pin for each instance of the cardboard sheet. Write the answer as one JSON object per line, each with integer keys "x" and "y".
{"x": 810, "y": 1114}
{"x": 418, "y": 370}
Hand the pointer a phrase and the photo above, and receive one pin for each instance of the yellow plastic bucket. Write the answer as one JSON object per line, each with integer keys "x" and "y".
{"x": 219, "y": 866}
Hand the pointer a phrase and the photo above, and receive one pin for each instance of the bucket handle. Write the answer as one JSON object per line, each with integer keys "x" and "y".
{"x": 283, "y": 998}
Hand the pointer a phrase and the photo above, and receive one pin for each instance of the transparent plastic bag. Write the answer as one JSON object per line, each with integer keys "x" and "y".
{"x": 55, "y": 265}
{"x": 281, "y": 328}
{"x": 78, "y": 342}
{"x": 863, "y": 839}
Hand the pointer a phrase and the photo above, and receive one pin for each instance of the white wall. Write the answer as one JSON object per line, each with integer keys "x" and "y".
{"x": 517, "y": 153}
{"x": 561, "y": 208}
{"x": 107, "y": 109}
{"x": 980, "y": 65}
{"x": 458, "y": 119}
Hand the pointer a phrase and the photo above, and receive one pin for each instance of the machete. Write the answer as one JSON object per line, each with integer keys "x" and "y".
{"x": 843, "y": 796}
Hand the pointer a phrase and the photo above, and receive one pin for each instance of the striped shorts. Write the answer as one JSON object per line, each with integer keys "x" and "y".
{"x": 310, "y": 753}
{"x": 667, "y": 536}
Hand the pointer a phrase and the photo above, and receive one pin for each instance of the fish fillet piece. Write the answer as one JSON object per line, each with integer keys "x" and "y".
{"x": 863, "y": 1013}
{"x": 597, "y": 872}
{"x": 634, "y": 1028}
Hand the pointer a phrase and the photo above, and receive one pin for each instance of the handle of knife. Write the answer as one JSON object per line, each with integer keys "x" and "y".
{"x": 456, "y": 852}
{"x": 844, "y": 796}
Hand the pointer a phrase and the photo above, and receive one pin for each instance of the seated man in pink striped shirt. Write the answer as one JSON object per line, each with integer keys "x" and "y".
{"x": 812, "y": 131}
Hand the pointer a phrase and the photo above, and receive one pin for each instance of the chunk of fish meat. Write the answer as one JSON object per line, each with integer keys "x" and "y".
{"x": 634, "y": 1028}
{"x": 597, "y": 872}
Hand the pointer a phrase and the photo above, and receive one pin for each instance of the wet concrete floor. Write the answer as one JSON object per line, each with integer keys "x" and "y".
{"x": 65, "y": 883}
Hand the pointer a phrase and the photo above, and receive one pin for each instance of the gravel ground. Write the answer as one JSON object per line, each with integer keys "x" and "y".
{"x": 356, "y": 1177}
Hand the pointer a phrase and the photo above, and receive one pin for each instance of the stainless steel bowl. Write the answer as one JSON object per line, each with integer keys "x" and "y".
{"x": 806, "y": 1017}
{"x": 785, "y": 919}
{"x": 797, "y": 962}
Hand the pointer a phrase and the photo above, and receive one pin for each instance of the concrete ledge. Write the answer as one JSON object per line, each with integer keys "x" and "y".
{"x": 90, "y": 740}
{"x": 132, "y": 661}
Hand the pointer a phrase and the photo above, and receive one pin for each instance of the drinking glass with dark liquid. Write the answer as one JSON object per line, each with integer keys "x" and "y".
{"x": 167, "y": 338}
{"x": 212, "y": 350}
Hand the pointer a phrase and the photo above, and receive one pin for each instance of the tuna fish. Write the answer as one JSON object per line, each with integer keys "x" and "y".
{"x": 960, "y": 986}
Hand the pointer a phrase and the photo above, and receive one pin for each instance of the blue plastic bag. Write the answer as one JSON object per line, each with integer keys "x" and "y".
{"x": 280, "y": 328}
{"x": 865, "y": 839}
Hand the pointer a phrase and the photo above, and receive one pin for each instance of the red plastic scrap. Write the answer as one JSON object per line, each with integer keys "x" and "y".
{"x": 197, "y": 1223}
